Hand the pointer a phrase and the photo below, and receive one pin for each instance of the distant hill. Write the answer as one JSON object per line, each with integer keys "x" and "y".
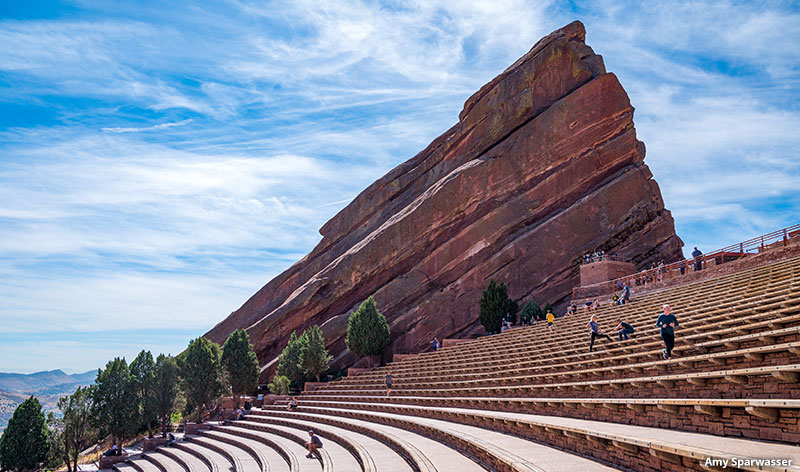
{"x": 47, "y": 386}
{"x": 33, "y": 383}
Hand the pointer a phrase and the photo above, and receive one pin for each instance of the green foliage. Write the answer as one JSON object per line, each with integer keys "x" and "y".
{"x": 143, "y": 371}
{"x": 55, "y": 453}
{"x": 367, "y": 330}
{"x": 114, "y": 398}
{"x": 314, "y": 359}
{"x": 241, "y": 363}
{"x": 24, "y": 442}
{"x": 531, "y": 311}
{"x": 548, "y": 307}
{"x": 166, "y": 392}
{"x": 201, "y": 373}
{"x": 496, "y": 305}
{"x": 75, "y": 431}
{"x": 289, "y": 360}
{"x": 279, "y": 385}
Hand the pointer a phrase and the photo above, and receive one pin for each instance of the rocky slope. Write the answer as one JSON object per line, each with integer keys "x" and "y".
{"x": 542, "y": 167}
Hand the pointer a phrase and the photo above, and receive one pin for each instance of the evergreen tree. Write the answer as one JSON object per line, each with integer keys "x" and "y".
{"x": 55, "y": 453}
{"x": 289, "y": 361}
{"x": 531, "y": 311}
{"x": 547, "y": 307}
{"x": 279, "y": 385}
{"x": 143, "y": 371}
{"x": 314, "y": 358}
{"x": 24, "y": 443}
{"x": 241, "y": 363}
{"x": 166, "y": 390}
{"x": 114, "y": 398}
{"x": 201, "y": 373}
{"x": 495, "y": 305}
{"x": 367, "y": 330}
{"x": 75, "y": 429}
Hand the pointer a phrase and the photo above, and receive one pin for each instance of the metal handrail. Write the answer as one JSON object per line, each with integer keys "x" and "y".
{"x": 605, "y": 257}
{"x": 692, "y": 264}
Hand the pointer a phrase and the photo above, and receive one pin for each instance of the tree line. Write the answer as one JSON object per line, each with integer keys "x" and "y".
{"x": 126, "y": 400}
{"x": 305, "y": 357}
{"x": 496, "y": 306}
{"x": 148, "y": 394}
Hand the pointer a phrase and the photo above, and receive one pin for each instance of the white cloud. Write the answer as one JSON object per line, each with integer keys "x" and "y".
{"x": 147, "y": 128}
{"x": 196, "y": 155}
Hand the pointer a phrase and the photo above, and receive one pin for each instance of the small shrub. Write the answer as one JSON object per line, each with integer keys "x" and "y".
{"x": 279, "y": 385}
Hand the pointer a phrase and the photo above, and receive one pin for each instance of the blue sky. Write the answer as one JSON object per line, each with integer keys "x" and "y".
{"x": 159, "y": 162}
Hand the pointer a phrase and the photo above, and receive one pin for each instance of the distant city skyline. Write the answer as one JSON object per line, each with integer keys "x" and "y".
{"x": 159, "y": 163}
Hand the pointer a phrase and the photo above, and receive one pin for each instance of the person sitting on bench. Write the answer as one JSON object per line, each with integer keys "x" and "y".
{"x": 313, "y": 444}
{"x": 292, "y": 404}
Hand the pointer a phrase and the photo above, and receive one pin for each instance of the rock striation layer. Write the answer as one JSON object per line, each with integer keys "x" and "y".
{"x": 542, "y": 167}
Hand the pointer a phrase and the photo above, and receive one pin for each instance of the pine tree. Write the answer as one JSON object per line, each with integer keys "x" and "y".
{"x": 166, "y": 389}
{"x": 547, "y": 307}
{"x": 76, "y": 431}
{"x": 24, "y": 444}
{"x": 56, "y": 453}
{"x": 531, "y": 311}
{"x": 280, "y": 385}
{"x": 143, "y": 371}
{"x": 201, "y": 373}
{"x": 367, "y": 330}
{"x": 114, "y": 398}
{"x": 289, "y": 361}
{"x": 314, "y": 358}
{"x": 241, "y": 363}
{"x": 496, "y": 305}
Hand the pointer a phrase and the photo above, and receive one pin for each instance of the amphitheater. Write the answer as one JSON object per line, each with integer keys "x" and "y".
{"x": 535, "y": 400}
{"x": 532, "y": 398}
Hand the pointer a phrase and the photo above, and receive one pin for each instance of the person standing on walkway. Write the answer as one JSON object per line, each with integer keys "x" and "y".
{"x": 550, "y": 318}
{"x": 698, "y": 261}
{"x": 388, "y": 382}
{"x": 435, "y": 343}
{"x": 623, "y": 329}
{"x": 667, "y": 322}
{"x": 595, "y": 331}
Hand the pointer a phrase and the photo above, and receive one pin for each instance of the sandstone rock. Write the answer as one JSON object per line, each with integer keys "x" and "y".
{"x": 542, "y": 167}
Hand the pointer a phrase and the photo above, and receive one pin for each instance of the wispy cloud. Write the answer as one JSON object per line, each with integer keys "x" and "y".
{"x": 160, "y": 164}
{"x": 148, "y": 128}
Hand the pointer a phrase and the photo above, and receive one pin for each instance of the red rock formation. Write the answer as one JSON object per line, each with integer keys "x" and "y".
{"x": 542, "y": 167}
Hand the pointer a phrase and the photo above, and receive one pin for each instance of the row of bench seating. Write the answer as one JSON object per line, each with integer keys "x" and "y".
{"x": 533, "y": 400}
{"x": 731, "y": 389}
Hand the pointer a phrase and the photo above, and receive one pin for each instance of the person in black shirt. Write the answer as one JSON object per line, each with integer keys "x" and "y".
{"x": 667, "y": 322}
{"x": 698, "y": 261}
{"x": 623, "y": 329}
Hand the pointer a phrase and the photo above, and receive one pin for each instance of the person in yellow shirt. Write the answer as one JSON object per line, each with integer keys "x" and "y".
{"x": 550, "y": 318}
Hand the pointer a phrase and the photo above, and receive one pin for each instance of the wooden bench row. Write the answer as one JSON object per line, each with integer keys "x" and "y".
{"x": 624, "y": 444}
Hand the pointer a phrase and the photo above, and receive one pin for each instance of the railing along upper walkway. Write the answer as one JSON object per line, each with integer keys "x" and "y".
{"x": 683, "y": 267}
